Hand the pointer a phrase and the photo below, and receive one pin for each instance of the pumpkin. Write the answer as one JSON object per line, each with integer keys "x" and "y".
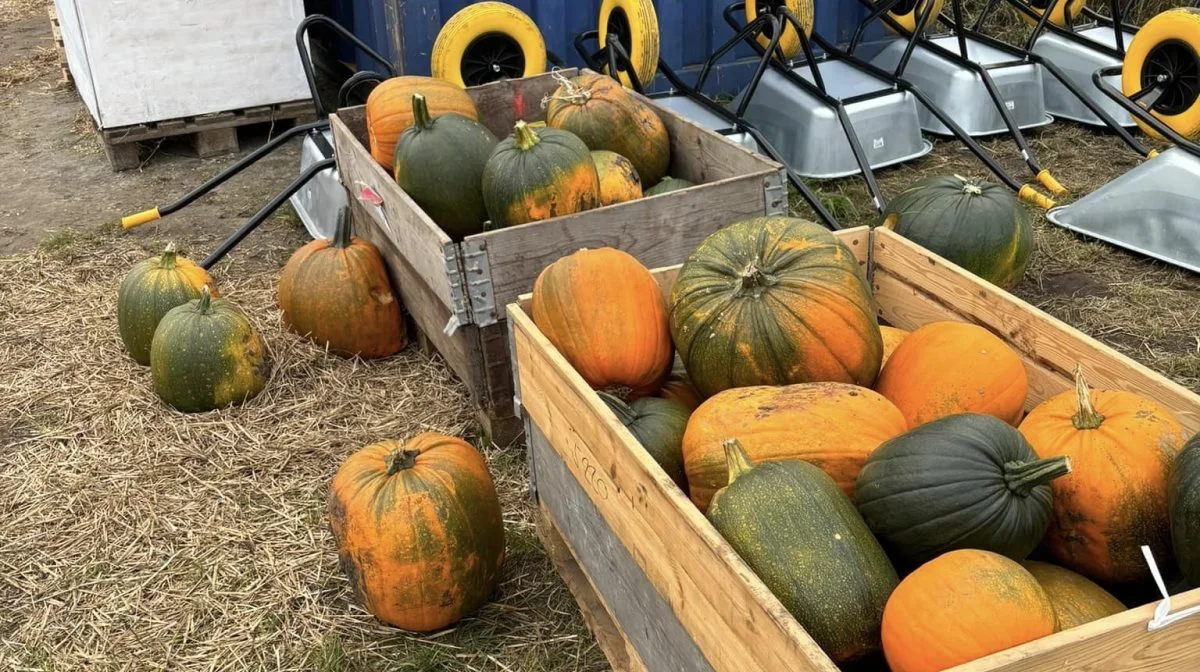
{"x": 1184, "y": 498}
{"x": 961, "y": 606}
{"x": 337, "y": 293}
{"x": 606, "y": 116}
{"x": 773, "y": 301}
{"x": 667, "y": 185}
{"x": 389, "y": 110}
{"x": 945, "y": 368}
{"x": 678, "y": 387}
{"x": 206, "y": 355}
{"x": 658, "y": 425}
{"x": 418, "y": 530}
{"x": 439, "y": 163}
{"x": 535, "y": 175}
{"x": 819, "y": 559}
{"x": 833, "y": 426}
{"x": 978, "y": 225}
{"x": 619, "y": 181}
{"x": 892, "y": 337}
{"x": 964, "y": 481}
{"x": 150, "y": 289}
{"x": 605, "y": 313}
{"x": 1075, "y": 599}
{"x": 1115, "y": 501}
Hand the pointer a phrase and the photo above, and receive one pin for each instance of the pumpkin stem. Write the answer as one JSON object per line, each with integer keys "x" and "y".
{"x": 526, "y": 136}
{"x": 622, "y": 410}
{"x": 1023, "y": 477}
{"x": 343, "y": 233}
{"x": 751, "y": 279}
{"x": 969, "y": 187}
{"x": 1087, "y": 417}
{"x": 401, "y": 460}
{"x": 205, "y": 300}
{"x": 421, "y": 118}
{"x": 167, "y": 259}
{"x": 736, "y": 459}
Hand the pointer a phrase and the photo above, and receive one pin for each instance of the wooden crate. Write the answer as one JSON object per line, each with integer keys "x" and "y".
{"x": 456, "y": 292}
{"x": 676, "y": 592}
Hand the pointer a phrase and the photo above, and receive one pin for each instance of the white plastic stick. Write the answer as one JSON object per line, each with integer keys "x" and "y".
{"x": 1162, "y": 613}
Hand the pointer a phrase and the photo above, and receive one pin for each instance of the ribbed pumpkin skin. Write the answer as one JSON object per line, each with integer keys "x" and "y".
{"x": 423, "y": 545}
{"x": 389, "y": 110}
{"x": 978, "y": 225}
{"x": 658, "y": 425}
{"x": 1184, "y": 496}
{"x": 539, "y": 174}
{"x": 667, "y": 185}
{"x": 605, "y": 313}
{"x": 153, "y": 287}
{"x": 834, "y": 426}
{"x": 945, "y": 368}
{"x": 678, "y": 387}
{"x": 619, "y": 181}
{"x": 1115, "y": 500}
{"x": 206, "y": 355}
{"x": 892, "y": 337}
{"x": 961, "y": 606}
{"x": 1075, "y": 599}
{"x": 773, "y": 301}
{"x": 606, "y": 116}
{"x": 965, "y": 481}
{"x": 803, "y": 538}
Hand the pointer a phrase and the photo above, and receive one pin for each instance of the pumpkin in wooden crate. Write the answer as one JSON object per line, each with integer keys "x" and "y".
{"x": 1121, "y": 446}
{"x": 978, "y": 225}
{"x": 945, "y": 368}
{"x": 605, "y": 313}
{"x": 961, "y": 606}
{"x": 337, "y": 293}
{"x": 418, "y": 530}
{"x": 1075, "y": 599}
{"x": 658, "y": 425}
{"x": 834, "y": 426}
{"x": 439, "y": 163}
{"x": 619, "y": 181}
{"x": 152, "y": 288}
{"x": 538, "y": 174}
{"x": 801, "y": 535}
{"x": 206, "y": 355}
{"x": 669, "y": 184}
{"x": 678, "y": 387}
{"x": 389, "y": 110}
{"x": 963, "y": 481}
{"x": 773, "y": 301}
{"x": 892, "y": 337}
{"x": 1184, "y": 497}
{"x": 607, "y": 116}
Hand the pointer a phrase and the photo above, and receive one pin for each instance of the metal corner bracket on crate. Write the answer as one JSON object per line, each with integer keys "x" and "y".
{"x": 775, "y": 194}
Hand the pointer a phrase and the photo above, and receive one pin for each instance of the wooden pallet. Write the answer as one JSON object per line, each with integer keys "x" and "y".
{"x": 59, "y": 48}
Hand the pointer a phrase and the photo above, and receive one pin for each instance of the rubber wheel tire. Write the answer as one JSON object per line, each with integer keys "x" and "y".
{"x": 486, "y": 20}
{"x": 789, "y": 44}
{"x": 642, "y": 22}
{"x": 1180, "y": 25}
{"x": 1059, "y": 15}
{"x": 908, "y": 20}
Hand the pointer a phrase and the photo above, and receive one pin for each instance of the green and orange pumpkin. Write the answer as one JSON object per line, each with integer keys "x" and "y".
{"x": 657, "y": 424}
{"x": 538, "y": 174}
{"x": 152, "y": 288}
{"x": 619, "y": 181}
{"x": 1184, "y": 495}
{"x": 669, "y": 184}
{"x": 389, "y": 110}
{"x": 1076, "y": 600}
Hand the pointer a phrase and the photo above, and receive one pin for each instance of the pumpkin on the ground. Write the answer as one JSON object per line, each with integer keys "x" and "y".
{"x": 605, "y": 313}
{"x": 667, "y": 185}
{"x": 1184, "y": 496}
{"x": 337, "y": 293}
{"x": 801, "y": 535}
{"x": 153, "y": 287}
{"x": 945, "y": 368}
{"x": 978, "y": 225}
{"x": 1121, "y": 446}
{"x": 961, "y": 606}
{"x": 619, "y": 181}
{"x": 658, "y": 425}
{"x": 206, "y": 355}
{"x": 538, "y": 174}
{"x": 678, "y": 387}
{"x": 418, "y": 530}
{"x": 892, "y": 337}
{"x": 389, "y": 110}
{"x": 834, "y": 426}
{"x": 1075, "y": 599}
{"x": 773, "y": 301}
{"x": 964, "y": 481}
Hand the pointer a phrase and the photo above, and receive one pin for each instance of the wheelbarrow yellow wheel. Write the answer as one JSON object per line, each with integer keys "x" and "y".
{"x": 1166, "y": 51}
{"x": 635, "y": 23}
{"x": 789, "y": 44}
{"x": 1058, "y": 15}
{"x": 485, "y": 42}
{"x": 908, "y": 12}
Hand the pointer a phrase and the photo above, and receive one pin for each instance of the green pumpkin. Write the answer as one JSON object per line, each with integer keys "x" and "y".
{"x": 538, "y": 174}
{"x": 801, "y": 535}
{"x": 153, "y": 287}
{"x": 964, "y": 481}
{"x": 978, "y": 225}
{"x": 658, "y": 425}
{"x": 667, "y": 185}
{"x": 439, "y": 163}
{"x": 1184, "y": 495}
{"x": 206, "y": 355}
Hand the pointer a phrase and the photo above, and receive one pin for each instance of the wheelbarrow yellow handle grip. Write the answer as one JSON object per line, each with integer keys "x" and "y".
{"x": 1031, "y": 195}
{"x": 143, "y": 217}
{"x": 1151, "y": 154}
{"x": 1052, "y": 185}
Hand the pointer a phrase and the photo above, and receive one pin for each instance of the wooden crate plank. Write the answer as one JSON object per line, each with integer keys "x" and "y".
{"x": 502, "y": 103}
{"x": 701, "y": 155}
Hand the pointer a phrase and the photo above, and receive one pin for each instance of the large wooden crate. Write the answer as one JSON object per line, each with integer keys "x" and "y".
{"x": 456, "y": 292}
{"x": 673, "y": 595}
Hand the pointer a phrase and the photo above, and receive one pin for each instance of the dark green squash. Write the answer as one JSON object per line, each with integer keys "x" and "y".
{"x": 152, "y": 288}
{"x": 658, "y": 425}
{"x": 978, "y": 225}
{"x": 538, "y": 174}
{"x": 963, "y": 481}
{"x": 667, "y": 185}
{"x": 439, "y": 163}
{"x": 1184, "y": 494}
{"x": 799, "y": 532}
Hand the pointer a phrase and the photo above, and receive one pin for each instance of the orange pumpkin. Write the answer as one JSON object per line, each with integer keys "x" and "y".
{"x": 1075, "y": 599}
{"x": 892, "y": 338}
{"x": 418, "y": 530}
{"x": 945, "y": 368}
{"x": 961, "y": 606}
{"x": 336, "y": 292}
{"x": 834, "y": 426}
{"x": 678, "y": 387}
{"x": 1121, "y": 446}
{"x": 605, "y": 313}
{"x": 390, "y": 110}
